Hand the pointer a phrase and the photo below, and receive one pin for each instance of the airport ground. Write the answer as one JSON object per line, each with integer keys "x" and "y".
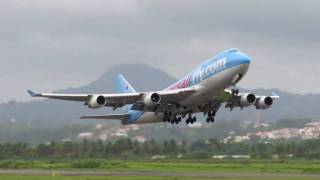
{"x": 182, "y": 169}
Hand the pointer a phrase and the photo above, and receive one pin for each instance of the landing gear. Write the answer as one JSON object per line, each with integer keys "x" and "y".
{"x": 191, "y": 119}
{"x": 211, "y": 115}
{"x": 210, "y": 119}
{"x": 165, "y": 117}
{"x": 171, "y": 118}
{"x": 178, "y": 120}
{"x": 234, "y": 91}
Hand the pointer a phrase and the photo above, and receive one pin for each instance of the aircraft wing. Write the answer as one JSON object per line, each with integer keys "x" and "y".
{"x": 70, "y": 97}
{"x": 130, "y": 97}
{"x": 175, "y": 95}
{"x": 227, "y": 96}
{"x": 240, "y": 100}
{"x": 118, "y": 100}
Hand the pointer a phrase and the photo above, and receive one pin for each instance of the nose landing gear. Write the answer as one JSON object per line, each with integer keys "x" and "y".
{"x": 234, "y": 91}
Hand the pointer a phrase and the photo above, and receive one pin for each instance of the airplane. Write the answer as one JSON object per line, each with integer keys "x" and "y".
{"x": 204, "y": 90}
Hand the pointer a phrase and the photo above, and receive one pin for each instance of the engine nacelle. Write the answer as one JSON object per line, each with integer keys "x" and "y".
{"x": 247, "y": 99}
{"x": 151, "y": 99}
{"x": 97, "y": 101}
{"x": 264, "y": 102}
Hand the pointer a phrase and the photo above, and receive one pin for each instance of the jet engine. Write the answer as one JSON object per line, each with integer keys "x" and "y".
{"x": 247, "y": 99}
{"x": 97, "y": 101}
{"x": 151, "y": 99}
{"x": 264, "y": 102}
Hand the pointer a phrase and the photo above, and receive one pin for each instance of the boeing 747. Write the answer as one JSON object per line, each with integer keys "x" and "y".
{"x": 204, "y": 90}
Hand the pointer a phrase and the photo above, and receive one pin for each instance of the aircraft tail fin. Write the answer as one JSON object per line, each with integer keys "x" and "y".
{"x": 123, "y": 86}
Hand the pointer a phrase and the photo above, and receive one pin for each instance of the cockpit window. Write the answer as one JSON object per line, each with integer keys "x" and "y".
{"x": 232, "y": 50}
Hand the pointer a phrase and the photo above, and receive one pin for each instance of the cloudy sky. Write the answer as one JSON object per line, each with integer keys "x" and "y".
{"x": 54, "y": 44}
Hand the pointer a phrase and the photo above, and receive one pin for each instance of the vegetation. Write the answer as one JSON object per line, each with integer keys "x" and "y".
{"x": 128, "y": 149}
{"x": 93, "y": 178}
{"x": 292, "y": 177}
{"x": 187, "y": 166}
{"x": 136, "y": 178}
{"x": 182, "y": 157}
{"x": 35, "y": 133}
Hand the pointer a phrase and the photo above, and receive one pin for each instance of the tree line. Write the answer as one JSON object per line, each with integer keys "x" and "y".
{"x": 128, "y": 149}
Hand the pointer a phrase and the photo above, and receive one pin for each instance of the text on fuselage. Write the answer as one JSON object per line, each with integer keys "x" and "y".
{"x": 201, "y": 74}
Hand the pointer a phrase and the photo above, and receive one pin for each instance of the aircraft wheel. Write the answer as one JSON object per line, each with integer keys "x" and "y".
{"x": 208, "y": 120}
{"x": 235, "y": 91}
{"x": 194, "y": 119}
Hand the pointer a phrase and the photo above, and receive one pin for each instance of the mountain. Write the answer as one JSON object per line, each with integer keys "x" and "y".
{"x": 48, "y": 113}
{"x": 51, "y": 113}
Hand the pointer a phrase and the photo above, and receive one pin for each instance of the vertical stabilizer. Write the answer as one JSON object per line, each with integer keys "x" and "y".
{"x": 123, "y": 85}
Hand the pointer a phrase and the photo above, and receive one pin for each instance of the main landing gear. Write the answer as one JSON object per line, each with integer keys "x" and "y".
{"x": 211, "y": 115}
{"x": 171, "y": 118}
{"x": 174, "y": 119}
{"x": 191, "y": 119}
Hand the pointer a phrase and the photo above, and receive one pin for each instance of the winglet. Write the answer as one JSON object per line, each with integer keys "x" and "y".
{"x": 32, "y": 94}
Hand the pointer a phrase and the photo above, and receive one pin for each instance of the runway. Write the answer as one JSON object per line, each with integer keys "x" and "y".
{"x": 27, "y": 172}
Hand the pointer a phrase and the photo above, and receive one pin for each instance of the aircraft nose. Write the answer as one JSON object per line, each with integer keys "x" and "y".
{"x": 243, "y": 58}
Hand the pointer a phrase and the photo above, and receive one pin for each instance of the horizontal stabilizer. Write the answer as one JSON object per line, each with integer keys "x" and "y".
{"x": 32, "y": 94}
{"x": 275, "y": 96}
{"x": 110, "y": 116}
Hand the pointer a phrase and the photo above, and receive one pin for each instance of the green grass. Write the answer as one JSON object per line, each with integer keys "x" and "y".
{"x": 170, "y": 166}
{"x": 138, "y": 178}
{"x": 80, "y": 178}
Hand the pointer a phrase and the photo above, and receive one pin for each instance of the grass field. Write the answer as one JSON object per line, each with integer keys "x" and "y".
{"x": 95, "y": 178}
{"x": 140, "y": 178}
{"x": 312, "y": 167}
{"x": 179, "y": 169}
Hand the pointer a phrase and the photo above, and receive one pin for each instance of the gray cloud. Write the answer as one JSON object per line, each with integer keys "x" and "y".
{"x": 49, "y": 45}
